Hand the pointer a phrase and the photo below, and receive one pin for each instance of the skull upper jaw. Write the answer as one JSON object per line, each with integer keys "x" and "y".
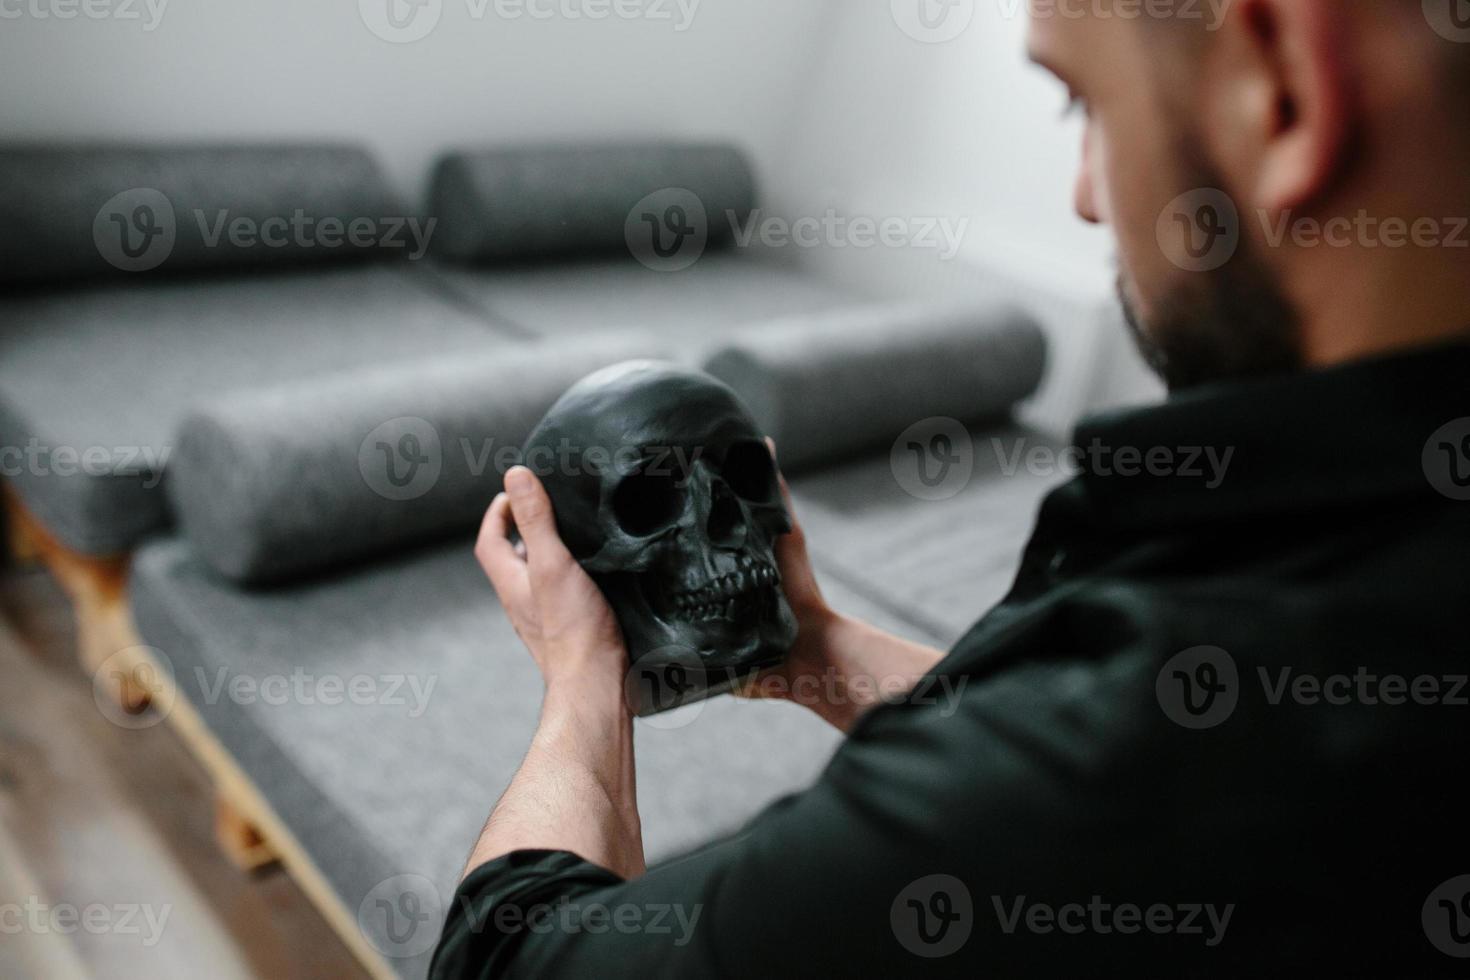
{"x": 748, "y": 626}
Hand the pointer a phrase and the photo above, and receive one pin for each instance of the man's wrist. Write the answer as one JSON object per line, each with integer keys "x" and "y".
{"x": 598, "y": 694}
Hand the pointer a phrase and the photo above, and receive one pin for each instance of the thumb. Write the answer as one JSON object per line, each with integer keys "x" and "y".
{"x": 535, "y": 519}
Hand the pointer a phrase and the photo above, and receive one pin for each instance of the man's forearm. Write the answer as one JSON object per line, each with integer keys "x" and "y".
{"x": 576, "y": 789}
{"x": 866, "y": 666}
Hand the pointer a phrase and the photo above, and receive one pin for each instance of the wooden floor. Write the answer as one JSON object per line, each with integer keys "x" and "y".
{"x": 119, "y": 825}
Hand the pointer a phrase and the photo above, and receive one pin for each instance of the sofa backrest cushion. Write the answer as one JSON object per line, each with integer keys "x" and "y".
{"x": 522, "y": 204}
{"x": 273, "y": 483}
{"x": 835, "y": 385}
{"x": 85, "y": 211}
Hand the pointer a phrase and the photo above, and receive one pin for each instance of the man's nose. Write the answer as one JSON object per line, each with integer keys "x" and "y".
{"x": 1084, "y": 196}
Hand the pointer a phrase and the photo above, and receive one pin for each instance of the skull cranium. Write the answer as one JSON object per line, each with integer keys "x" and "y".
{"x": 667, "y": 495}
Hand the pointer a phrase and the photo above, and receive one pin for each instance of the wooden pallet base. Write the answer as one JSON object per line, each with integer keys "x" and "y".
{"x": 97, "y": 588}
{"x": 242, "y": 841}
{"x": 20, "y": 539}
{"x": 247, "y": 828}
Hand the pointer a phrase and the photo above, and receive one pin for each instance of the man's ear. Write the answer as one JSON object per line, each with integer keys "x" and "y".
{"x": 1303, "y": 103}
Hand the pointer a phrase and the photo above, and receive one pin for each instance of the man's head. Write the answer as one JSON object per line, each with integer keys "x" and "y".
{"x": 1228, "y": 140}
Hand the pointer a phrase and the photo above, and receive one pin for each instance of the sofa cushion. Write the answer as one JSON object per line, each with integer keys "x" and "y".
{"x": 76, "y": 212}
{"x": 829, "y": 386}
{"x": 275, "y": 481}
{"x": 94, "y": 382}
{"x": 693, "y": 309}
{"x": 526, "y": 203}
{"x": 400, "y": 782}
{"x": 943, "y": 558}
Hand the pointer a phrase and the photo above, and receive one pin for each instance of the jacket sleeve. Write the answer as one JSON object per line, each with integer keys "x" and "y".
{"x": 974, "y": 793}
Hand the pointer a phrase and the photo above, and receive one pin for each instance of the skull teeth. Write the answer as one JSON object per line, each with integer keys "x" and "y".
{"x": 719, "y": 599}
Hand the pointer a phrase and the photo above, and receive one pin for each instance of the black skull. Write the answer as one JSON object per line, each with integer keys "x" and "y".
{"x": 667, "y": 495}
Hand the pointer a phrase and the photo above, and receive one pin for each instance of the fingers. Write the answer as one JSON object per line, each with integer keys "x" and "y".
{"x": 536, "y": 521}
{"x": 791, "y": 554}
{"x": 797, "y": 536}
{"x": 498, "y": 556}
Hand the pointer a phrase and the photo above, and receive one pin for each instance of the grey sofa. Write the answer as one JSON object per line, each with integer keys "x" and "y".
{"x": 274, "y": 574}
{"x": 386, "y": 795}
{"x": 556, "y": 241}
{"x": 98, "y": 365}
{"x": 100, "y": 359}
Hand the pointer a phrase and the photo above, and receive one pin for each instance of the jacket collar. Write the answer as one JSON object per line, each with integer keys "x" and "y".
{"x": 1287, "y": 444}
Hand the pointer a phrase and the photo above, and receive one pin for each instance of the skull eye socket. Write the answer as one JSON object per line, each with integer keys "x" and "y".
{"x": 749, "y": 471}
{"x": 647, "y": 502}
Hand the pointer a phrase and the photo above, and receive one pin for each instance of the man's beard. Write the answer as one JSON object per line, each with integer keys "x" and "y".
{"x": 1233, "y": 323}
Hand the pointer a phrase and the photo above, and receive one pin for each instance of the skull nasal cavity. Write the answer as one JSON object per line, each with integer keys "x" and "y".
{"x": 726, "y": 520}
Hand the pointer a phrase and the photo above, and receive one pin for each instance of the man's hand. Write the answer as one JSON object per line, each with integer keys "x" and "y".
{"x": 839, "y": 667}
{"x": 555, "y": 607}
{"x": 576, "y": 789}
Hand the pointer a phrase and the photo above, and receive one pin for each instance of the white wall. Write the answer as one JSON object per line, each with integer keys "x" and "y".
{"x": 966, "y": 130}
{"x": 835, "y": 103}
{"x": 242, "y": 69}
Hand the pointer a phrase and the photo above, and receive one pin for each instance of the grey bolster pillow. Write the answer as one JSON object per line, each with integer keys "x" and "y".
{"x": 271, "y": 483}
{"x": 507, "y": 205}
{"x": 77, "y": 212}
{"x": 838, "y": 384}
